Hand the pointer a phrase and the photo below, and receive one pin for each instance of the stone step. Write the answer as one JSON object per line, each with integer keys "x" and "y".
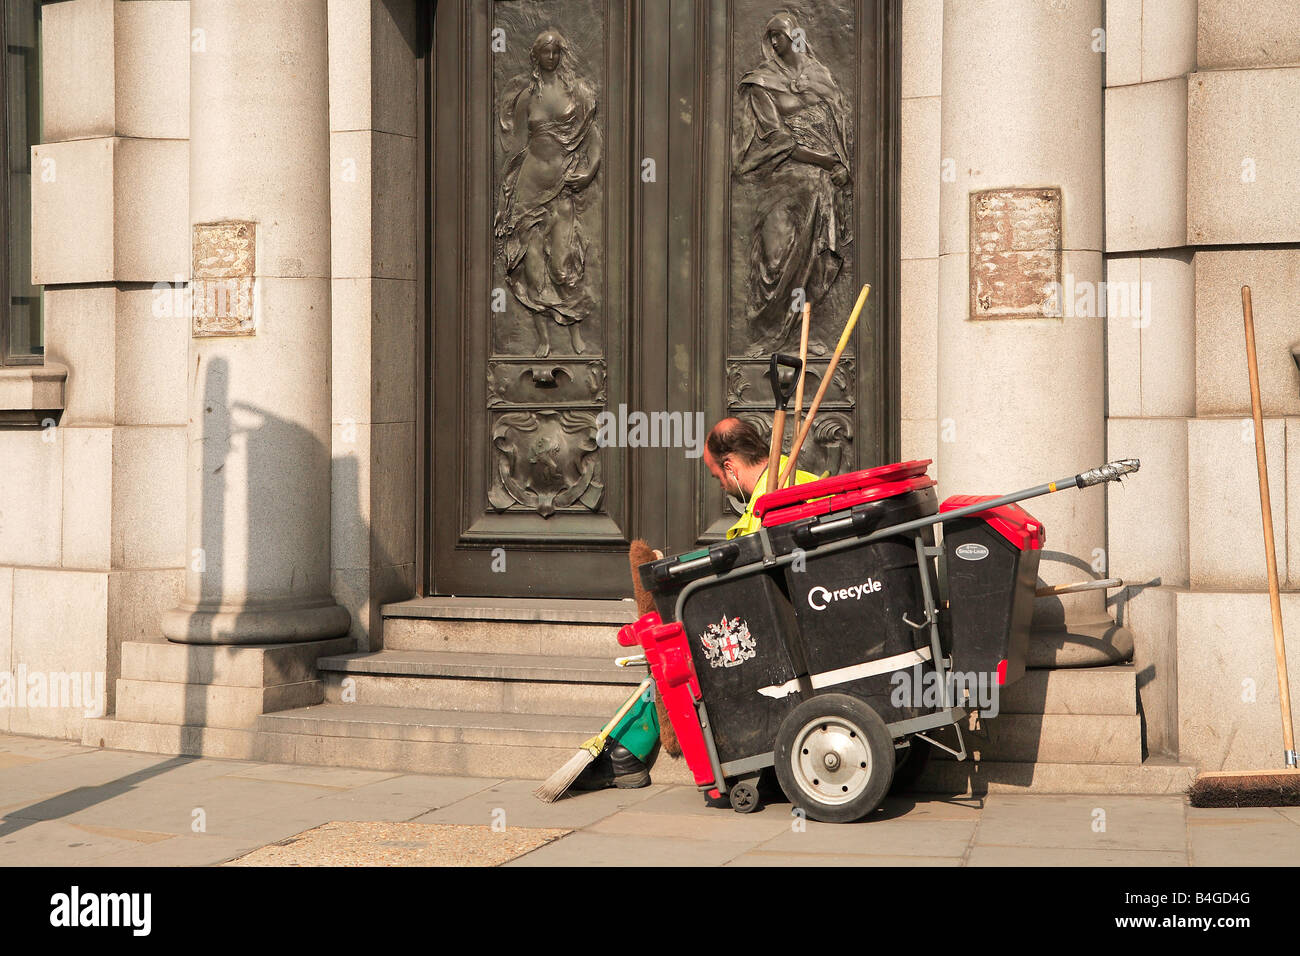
{"x": 1059, "y": 738}
{"x": 441, "y": 726}
{"x": 1073, "y": 690}
{"x": 508, "y": 626}
{"x": 401, "y": 740}
{"x": 209, "y": 705}
{"x": 967, "y": 778}
{"x": 259, "y": 666}
{"x": 157, "y": 738}
{"x": 492, "y": 683}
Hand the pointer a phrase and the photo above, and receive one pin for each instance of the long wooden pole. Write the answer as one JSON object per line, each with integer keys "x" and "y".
{"x": 825, "y": 383}
{"x": 1270, "y": 553}
{"x": 788, "y": 477}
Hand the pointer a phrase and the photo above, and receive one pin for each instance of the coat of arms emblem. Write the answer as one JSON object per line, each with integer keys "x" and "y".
{"x": 727, "y": 643}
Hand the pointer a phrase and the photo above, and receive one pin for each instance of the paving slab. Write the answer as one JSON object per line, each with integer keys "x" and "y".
{"x": 916, "y": 838}
{"x": 91, "y": 768}
{"x": 199, "y": 849}
{"x": 1258, "y": 842}
{"x": 41, "y": 746}
{"x": 603, "y": 849}
{"x": 16, "y": 760}
{"x": 55, "y": 843}
{"x": 1091, "y": 821}
{"x": 751, "y": 828}
{"x": 768, "y": 858}
{"x": 1072, "y": 856}
{"x": 400, "y": 844}
{"x": 336, "y": 807}
{"x": 329, "y": 778}
{"x": 675, "y": 800}
{"x": 1290, "y": 813}
{"x": 230, "y": 807}
{"x": 63, "y": 804}
{"x": 514, "y": 802}
{"x": 925, "y": 807}
{"x": 430, "y": 792}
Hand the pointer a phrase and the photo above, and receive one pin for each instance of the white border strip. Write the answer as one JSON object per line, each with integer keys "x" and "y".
{"x": 842, "y": 675}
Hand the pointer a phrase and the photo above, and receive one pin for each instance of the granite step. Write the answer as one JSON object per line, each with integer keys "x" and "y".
{"x": 970, "y": 778}
{"x": 507, "y": 626}
{"x": 417, "y": 740}
{"x": 476, "y": 682}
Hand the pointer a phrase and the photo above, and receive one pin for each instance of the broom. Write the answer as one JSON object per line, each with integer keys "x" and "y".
{"x": 1259, "y": 788}
{"x": 562, "y": 779}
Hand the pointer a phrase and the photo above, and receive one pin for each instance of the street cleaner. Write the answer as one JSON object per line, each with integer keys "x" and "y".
{"x": 738, "y": 458}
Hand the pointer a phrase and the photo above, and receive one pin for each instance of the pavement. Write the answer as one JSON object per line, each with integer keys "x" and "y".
{"x": 63, "y": 804}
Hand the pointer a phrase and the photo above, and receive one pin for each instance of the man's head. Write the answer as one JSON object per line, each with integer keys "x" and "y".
{"x": 736, "y": 455}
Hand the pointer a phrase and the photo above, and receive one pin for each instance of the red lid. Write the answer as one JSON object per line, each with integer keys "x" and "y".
{"x": 1011, "y": 521}
{"x": 847, "y": 500}
{"x": 837, "y": 484}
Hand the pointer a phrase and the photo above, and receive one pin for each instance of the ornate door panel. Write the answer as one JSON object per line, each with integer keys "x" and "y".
{"x": 627, "y": 200}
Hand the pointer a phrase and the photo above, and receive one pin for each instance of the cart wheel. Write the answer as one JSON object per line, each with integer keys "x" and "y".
{"x": 744, "y": 798}
{"x": 909, "y": 764}
{"x": 834, "y": 758}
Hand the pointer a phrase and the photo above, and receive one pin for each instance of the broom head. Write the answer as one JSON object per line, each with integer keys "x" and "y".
{"x": 560, "y": 781}
{"x": 1246, "y": 788}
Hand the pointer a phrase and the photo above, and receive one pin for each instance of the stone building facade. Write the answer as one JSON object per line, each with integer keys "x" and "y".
{"x": 268, "y": 239}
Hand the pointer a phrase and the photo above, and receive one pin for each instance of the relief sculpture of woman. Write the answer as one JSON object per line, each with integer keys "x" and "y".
{"x": 794, "y": 142}
{"x": 539, "y": 226}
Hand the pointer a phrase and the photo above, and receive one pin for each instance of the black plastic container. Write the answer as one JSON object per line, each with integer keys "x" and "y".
{"x": 852, "y": 607}
{"x": 992, "y": 568}
{"x": 747, "y": 666}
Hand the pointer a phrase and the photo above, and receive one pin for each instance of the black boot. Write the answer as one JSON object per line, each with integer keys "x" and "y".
{"x": 630, "y": 773}
{"x": 615, "y": 767}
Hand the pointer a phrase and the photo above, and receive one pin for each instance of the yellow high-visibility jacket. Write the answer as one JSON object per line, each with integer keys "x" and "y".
{"x": 749, "y": 523}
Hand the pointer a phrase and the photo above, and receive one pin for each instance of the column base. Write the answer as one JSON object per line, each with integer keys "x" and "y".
{"x": 1087, "y": 643}
{"x": 316, "y": 621}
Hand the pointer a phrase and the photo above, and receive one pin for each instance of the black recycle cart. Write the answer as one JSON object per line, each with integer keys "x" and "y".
{"x": 821, "y": 645}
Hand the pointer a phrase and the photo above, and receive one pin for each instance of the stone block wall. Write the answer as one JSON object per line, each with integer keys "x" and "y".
{"x": 919, "y": 178}
{"x": 1202, "y": 173}
{"x": 376, "y": 320}
{"x": 92, "y": 511}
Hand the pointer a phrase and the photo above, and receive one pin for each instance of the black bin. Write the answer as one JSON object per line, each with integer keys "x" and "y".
{"x": 992, "y": 568}
{"x": 740, "y": 632}
{"x": 851, "y": 604}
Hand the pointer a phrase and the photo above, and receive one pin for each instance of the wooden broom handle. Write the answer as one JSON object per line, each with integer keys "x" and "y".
{"x": 1266, "y": 507}
{"x": 826, "y": 383}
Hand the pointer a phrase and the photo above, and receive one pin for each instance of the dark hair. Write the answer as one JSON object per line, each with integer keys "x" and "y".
{"x": 731, "y": 436}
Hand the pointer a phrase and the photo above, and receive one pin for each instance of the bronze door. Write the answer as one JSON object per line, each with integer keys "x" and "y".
{"x": 628, "y": 204}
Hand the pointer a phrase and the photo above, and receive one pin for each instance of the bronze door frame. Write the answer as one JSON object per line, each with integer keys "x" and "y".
{"x": 668, "y": 294}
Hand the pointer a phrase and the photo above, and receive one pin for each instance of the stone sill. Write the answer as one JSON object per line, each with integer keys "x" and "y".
{"x": 29, "y": 394}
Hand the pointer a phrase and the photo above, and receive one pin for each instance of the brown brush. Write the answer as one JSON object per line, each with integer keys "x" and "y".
{"x": 639, "y": 554}
{"x": 1259, "y": 788}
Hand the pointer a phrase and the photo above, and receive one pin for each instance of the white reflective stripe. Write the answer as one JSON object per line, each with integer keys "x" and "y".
{"x": 842, "y": 675}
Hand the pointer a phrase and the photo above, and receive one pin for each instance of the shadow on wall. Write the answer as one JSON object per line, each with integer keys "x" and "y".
{"x": 268, "y": 440}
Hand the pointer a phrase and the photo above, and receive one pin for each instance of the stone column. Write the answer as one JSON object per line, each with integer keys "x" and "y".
{"x": 258, "y": 481}
{"x": 1021, "y": 397}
